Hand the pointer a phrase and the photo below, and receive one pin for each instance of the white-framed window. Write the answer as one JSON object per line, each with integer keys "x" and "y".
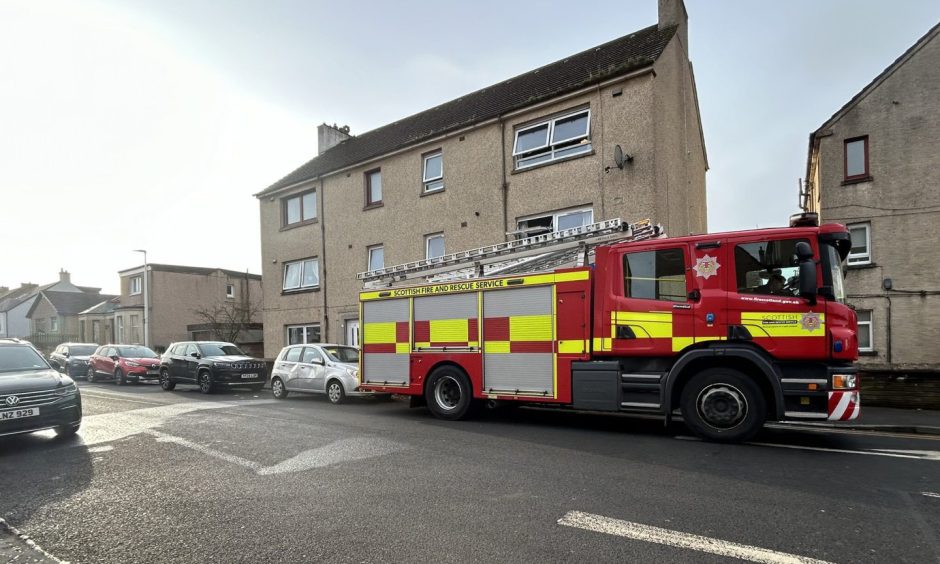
{"x": 861, "y": 244}
{"x": 119, "y": 329}
{"x": 434, "y": 172}
{"x": 865, "y": 337}
{"x": 135, "y": 285}
{"x": 553, "y": 139}
{"x": 300, "y": 208}
{"x": 376, "y": 257}
{"x": 554, "y": 221}
{"x": 434, "y": 245}
{"x": 374, "y": 187}
{"x": 301, "y": 274}
{"x": 54, "y": 324}
{"x": 135, "y": 328}
{"x": 300, "y": 334}
{"x": 230, "y": 290}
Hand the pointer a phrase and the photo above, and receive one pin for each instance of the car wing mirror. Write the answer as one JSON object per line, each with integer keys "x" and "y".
{"x": 194, "y": 355}
{"x": 115, "y": 357}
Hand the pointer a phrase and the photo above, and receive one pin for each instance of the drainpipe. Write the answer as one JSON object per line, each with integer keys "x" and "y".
{"x": 888, "y": 330}
{"x": 505, "y": 186}
{"x": 324, "y": 335}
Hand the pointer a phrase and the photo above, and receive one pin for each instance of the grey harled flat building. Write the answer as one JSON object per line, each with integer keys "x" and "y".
{"x": 529, "y": 154}
{"x": 874, "y": 166}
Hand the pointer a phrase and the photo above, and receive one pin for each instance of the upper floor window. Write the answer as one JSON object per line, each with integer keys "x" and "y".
{"x": 861, "y": 244}
{"x": 856, "y": 158}
{"x": 434, "y": 246}
{"x": 299, "y": 208}
{"x": 865, "y": 342}
{"x": 553, "y": 139}
{"x": 434, "y": 172}
{"x": 557, "y": 221}
{"x": 54, "y": 324}
{"x": 376, "y": 257}
{"x": 301, "y": 274}
{"x": 135, "y": 285}
{"x": 768, "y": 267}
{"x": 374, "y": 187}
{"x": 655, "y": 275}
{"x": 230, "y": 290}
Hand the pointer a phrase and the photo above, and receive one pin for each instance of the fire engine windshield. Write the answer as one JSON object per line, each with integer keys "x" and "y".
{"x": 833, "y": 273}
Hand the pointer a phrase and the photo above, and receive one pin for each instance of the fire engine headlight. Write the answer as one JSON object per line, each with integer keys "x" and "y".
{"x": 844, "y": 381}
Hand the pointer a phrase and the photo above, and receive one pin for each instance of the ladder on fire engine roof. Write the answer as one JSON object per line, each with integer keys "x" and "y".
{"x": 569, "y": 247}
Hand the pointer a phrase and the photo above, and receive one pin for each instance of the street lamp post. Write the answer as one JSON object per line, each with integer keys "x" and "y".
{"x": 146, "y": 300}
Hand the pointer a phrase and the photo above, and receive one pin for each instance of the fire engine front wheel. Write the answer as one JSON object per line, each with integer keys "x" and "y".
{"x": 723, "y": 404}
{"x": 449, "y": 394}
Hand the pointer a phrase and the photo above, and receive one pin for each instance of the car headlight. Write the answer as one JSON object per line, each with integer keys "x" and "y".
{"x": 352, "y": 372}
{"x": 220, "y": 365}
{"x": 66, "y": 391}
{"x": 844, "y": 381}
{"x": 131, "y": 363}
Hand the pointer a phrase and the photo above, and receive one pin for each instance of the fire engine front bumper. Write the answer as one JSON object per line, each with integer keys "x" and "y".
{"x": 844, "y": 405}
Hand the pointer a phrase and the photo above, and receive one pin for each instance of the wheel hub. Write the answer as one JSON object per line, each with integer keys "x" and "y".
{"x": 447, "y": 393}
{"x": 722, "y": 406}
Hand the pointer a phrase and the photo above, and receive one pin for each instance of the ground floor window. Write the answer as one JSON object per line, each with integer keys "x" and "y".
{"x": 865, "y": 342}
{"x": 300, "y": 334}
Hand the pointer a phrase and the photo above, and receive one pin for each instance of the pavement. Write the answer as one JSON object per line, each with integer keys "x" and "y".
{"x": 177, "y": 476}
{"x": 886, "y": 419}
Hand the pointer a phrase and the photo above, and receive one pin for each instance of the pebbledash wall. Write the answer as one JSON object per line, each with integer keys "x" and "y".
{"x": 889, "y": 197}
{"x": 649, "y": 109}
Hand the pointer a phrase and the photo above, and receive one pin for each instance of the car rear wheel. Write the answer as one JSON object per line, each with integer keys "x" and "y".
{"x": 278, "y": 389}
{"x": 165, "y": 381}
{"x": 90, "y": 376}
{"x": 335, "y": 391}
{"x": 119, "y": 379}
{"x": 205, "y": 382}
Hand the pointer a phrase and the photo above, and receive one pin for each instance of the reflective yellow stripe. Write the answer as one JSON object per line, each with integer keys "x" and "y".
{"x": 475, "y": 285}
{"x": 496, "y": 347}
{"x": 602, "y": 344}
{"x": 402, "y": 348}
{"x": 378, "y": 333}
{"x": 572, "y": 346}
{"x": 572, "y": 276}
{"x": 422, "y": 345}
{"x": 530, "y": 328}
{"x": 623, "y": 317}
{"x": 679, "y": 343}
{"x": 448, "y": 330}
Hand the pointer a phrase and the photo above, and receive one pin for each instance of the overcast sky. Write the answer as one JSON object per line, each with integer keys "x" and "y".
{"x": 149, "y": 124}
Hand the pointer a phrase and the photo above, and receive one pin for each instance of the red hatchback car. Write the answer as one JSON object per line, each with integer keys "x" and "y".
{"x": 124, "y": 362}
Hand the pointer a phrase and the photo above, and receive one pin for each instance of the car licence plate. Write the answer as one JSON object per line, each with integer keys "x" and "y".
{"x": 247, "y": 376}
{"x": 153, "y": 371}
{"x": 19, "y": 413}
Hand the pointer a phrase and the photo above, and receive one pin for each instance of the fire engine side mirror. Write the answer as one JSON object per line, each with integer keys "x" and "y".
{"x": 808, "y": 288}
{"x": 803, "y": 251}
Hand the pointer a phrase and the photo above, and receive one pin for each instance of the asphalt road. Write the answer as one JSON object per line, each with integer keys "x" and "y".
{"x": 181, "y": 477}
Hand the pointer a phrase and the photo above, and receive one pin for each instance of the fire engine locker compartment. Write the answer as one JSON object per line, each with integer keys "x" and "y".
{"x": 386, "y": 344}
{"x": 596, "y": 385}
{"x": 519, "y": 341}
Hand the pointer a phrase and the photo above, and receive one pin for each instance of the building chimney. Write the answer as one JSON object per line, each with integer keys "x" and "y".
{"x": 65, "y": 277}
{"x": 672, "y": 12}
{"x": 329, "y": 136}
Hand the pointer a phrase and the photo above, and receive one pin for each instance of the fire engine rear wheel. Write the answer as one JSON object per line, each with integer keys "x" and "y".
{"x": 723, "y": 404}
{"x": 449, "y": 394}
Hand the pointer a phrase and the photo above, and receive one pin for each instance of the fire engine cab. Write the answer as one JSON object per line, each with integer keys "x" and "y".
{"x": 729, "y": 329}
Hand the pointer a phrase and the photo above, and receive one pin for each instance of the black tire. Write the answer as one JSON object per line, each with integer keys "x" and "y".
{"x": 723, "y": 405}
{"x": 205, "y": 382}
{"x": 119, "y": 379}
{"x": 449, "y": 394}
{"x": 335, "y": 392}
{"x": 165, "y": 382}
{"x": 67, "y": 431}
{"x": 90, "y": 376}
{"x": 278, "y": 389}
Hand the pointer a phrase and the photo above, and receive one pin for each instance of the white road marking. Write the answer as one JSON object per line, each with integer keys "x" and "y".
{"x": 343, "y": 450}
{"x": 104, "y": 448}
{"x": 931, "y": 494}
{"x": 108, "y": 427}
{"x": 916, "y": 455}
{"x": 647, "y": 533}
{"x": 29, "y": 542}
{"x": 922, "y": 454}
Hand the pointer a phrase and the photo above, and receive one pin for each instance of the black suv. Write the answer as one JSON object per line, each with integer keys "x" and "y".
{"x": 33, "y": 396}
{"x": 210, "y": 365}
{"x": 72, "y": 358}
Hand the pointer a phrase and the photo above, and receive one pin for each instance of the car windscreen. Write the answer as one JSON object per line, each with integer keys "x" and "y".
{"x": 217, "y": 349}
{"x": 79, "y": 350}
{"x": 136, "y": 352}
{"x": 343, "y": 354}
{"x": 18, "y": 359}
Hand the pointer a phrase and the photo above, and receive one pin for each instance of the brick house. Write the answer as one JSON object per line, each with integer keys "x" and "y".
{"x": 529, "y": 154}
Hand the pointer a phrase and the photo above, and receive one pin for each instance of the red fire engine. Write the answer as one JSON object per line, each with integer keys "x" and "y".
{"x": 728, "y": 329}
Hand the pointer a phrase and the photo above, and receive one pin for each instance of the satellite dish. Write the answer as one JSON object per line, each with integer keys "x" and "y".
{"x": 620, "y": 157}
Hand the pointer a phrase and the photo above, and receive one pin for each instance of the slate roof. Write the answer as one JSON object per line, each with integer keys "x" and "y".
{"x": 194, "y": 270}
{"x": 69, "y": 303}
{"x": 595, "y": 65}
{"x": 17, "y": 296}
{"x": 105, "y": 307}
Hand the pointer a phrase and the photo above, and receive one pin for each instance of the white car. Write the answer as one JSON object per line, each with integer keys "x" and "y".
{"x": 317, "y": 368}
